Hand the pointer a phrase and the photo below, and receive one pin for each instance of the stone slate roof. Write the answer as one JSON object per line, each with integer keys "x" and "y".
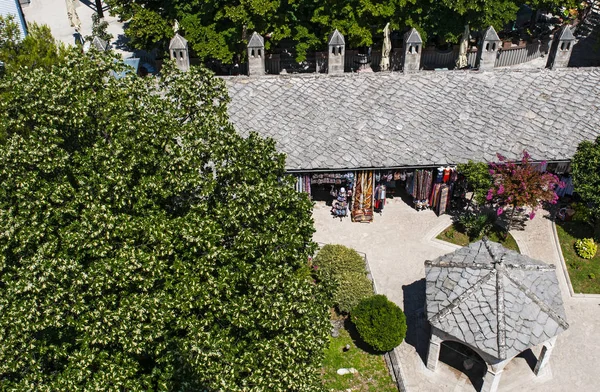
{"x": 336, "y": 38}
{"x": 494, "y": 299}
{"x": 178, "y": 42}
{"x": 256, "y": 41}
{"x": 382, "y": 120}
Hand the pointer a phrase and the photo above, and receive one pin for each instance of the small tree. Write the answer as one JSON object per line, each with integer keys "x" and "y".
{"x": 586, "y": 178}
{"x": 99, "y": 28}
{"x": 519, "y": 184}
{"x": 37, "y": 50}
{"x": 478, "y": 179}
{"x": 380, "y": 322}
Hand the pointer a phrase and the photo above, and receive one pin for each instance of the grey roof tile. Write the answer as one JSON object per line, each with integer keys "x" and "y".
{"x": 494, "y": 299}
{"x": 425, "y": 118}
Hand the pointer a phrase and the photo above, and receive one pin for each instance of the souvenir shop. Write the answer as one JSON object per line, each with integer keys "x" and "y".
{"x": 363, "y": 193}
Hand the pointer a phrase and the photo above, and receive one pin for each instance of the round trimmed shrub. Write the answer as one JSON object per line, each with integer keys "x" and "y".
{"x": 352, "y": 287}
{"x": 586, "y": 248}
{"x": 379, "y": 322}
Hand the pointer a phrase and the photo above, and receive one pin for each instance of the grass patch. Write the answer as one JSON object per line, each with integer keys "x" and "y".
{"x": 584, "y": 274}
{"x": 372, "y": 372}
{"x": 453, "y": 235}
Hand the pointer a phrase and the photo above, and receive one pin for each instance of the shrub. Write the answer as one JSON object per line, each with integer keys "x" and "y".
{"x": 476, "y": 225}
{"x": 345, "y": 269}
{"x": 582, "y": 213}
{"x": 586, "y": 248}
{"x": 333, "y": 260}
{"x": 379, "y": 322}
{"x": 352, "y": 287}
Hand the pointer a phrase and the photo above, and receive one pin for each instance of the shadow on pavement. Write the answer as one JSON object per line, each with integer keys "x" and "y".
{"x": 418, "y": 330}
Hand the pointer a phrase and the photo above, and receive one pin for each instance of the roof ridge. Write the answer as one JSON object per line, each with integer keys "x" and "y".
{"x": 501, "y": 317}
{"x": 543, "y": 306}
{"x": 450, "y": 264}
{"x": 461, "y": 298}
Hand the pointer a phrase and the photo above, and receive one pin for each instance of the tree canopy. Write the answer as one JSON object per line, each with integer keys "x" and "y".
{"x": 586, "y": 163}
{"x": 219, "y": 29}
{"x": 144, "y": 244}
{"x": 519, "y": 184}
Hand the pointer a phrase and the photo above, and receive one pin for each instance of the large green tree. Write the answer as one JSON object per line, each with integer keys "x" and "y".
{"x": 219, "y": 29}
{"x": 144, "y": 244}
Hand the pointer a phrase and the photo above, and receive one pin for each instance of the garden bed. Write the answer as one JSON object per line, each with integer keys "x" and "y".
{"x": 372, "y": 373}
{"x": 584, "y": 274}
{"x": 455, "y": 236}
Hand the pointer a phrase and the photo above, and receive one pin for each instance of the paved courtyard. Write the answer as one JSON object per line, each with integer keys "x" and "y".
{"x": 54, "y": 14}
{"x": 399, "y": 241}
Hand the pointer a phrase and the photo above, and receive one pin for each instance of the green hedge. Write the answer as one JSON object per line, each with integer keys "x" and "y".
{"x": 379, "y": 322}
{"x": 346, "y": 269}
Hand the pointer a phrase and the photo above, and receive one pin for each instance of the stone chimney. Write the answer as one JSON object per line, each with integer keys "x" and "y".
{"x": 178, "y": 49}
{"x": 488, "y": 49}
{"x": 413, "y": 46}
{"x": 562, "y": 47}
{"x": 256, "y": 55}
{"x": 337, "y": 53}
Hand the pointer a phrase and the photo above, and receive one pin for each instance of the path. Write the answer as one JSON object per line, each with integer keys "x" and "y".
{"x": 399, "y": 241}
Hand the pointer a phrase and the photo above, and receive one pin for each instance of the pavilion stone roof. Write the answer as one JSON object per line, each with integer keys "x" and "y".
{"x": 381, "y": 120}
{"x": 494, "y": 299}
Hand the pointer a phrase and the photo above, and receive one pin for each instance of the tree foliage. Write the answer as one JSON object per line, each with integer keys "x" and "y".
{"x": 144, "y": 244}
{"x": 344, "y": 269}
{"x": 36, "y": 50}
{"x": 379, "y": 322}
{"x": 219, "y": 29}
{"x": 519, "y": 184}
{"x": 478, "y": 178}
{"x": 586, "y": 174}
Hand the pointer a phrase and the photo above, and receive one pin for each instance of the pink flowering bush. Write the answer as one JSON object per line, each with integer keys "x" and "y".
{"x": 519, "y": 185}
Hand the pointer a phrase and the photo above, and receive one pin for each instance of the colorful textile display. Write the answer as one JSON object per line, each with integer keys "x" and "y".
{"x": 379, "y": 198}
{"x": 303, "y": 183}
{"x": 568, "y": 189}
{"x": 362, "y": 209}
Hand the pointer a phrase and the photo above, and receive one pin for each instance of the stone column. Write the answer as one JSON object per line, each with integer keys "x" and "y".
{"x": 433, "y": 354}
{"x": 491, "y": 380}
{"x": 413, "y": 45}
{"x": 256, "y": 55}
{"x": 488, "y": 49}
{"x": 337, "y": 53}
{"x": 562, "y": 47}
{"x": 544, "y": 356}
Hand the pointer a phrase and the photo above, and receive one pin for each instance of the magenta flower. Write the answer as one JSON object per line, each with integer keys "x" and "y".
{"x": 315, "y": 267}
{"x": 500, "y": 211}
{"x": 501, "y": 189}
{"x": 489, "y": 195}
{"x": 531, "y": 215}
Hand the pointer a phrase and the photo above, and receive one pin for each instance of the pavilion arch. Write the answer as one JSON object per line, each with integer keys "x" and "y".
{"x": 497, "y": 302}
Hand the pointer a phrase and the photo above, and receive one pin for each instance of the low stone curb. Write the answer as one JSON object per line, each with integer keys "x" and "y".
{"x": 566, "y": 271}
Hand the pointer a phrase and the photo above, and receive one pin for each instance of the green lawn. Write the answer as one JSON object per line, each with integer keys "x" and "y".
{"x": 584, "y": 274}
{"x": 454, "y": 236}
{"x": 372, "y": 373}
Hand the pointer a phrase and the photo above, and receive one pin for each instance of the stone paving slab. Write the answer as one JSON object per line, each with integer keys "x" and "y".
{"x": 397, "y": 244}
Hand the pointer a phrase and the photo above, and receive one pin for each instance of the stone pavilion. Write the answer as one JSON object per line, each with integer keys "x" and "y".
{"x": 495, "y": 301}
